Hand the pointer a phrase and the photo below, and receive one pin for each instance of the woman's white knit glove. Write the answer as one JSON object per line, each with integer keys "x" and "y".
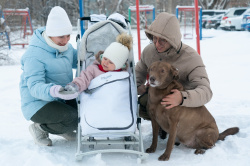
{"x": 59, "y": 92}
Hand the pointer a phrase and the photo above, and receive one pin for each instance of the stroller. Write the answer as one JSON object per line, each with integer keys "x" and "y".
{"x": 108, "y": 109}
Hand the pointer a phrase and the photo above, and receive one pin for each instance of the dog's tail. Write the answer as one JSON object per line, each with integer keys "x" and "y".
{"x": 230, "y": 131}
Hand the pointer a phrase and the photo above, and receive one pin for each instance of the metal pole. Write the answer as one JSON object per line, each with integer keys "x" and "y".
{"x": 200, "y": 23}
{"x": 197, "y": 26}
{"x": 138, "y": 29}
{"x": 153, "y": 14}
{"x": 177, "y": 12}
{"x": 129, "y": 15}
{"x": 81, "y": 2}
{"x": 30, "y": 22}
{"x": 8, "y": 39}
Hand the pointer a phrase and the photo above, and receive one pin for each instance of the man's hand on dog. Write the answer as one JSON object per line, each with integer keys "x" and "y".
{"x": 172, "y": 100}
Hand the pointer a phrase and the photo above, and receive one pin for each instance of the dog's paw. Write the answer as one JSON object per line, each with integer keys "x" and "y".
{"x": 199, "y": 151}
{"x": 150, "y": 150}
{"x": 163, "y": 157}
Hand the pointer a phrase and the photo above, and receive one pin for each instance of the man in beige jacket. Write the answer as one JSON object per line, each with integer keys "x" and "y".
{"x": 166, "y": 45}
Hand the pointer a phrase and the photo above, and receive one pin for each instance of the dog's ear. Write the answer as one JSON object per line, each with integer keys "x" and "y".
{"x": 175, "y": 72}
{"x": 150, "y": 67}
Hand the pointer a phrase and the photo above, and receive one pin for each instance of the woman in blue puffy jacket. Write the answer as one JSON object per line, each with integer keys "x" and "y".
{"x": 47, "y": 67}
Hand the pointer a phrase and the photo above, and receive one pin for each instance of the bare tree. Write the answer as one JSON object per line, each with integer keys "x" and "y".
{"x": 39, "y": 10}
{"x": 170, "y": 6}
{"x": 222, "y": 4}
{"x": 213, "y": 4}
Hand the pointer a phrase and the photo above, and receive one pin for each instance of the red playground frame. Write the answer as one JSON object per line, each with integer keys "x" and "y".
{"x": 25, "y": 20}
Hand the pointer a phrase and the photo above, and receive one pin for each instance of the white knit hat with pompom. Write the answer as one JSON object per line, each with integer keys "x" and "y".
{"x": 118, "y": 52}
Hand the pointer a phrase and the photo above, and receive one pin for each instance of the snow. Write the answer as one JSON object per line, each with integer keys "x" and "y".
{"x": 226, "y": 56}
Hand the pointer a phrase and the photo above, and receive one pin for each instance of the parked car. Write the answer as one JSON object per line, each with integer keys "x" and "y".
{"x": 214, "y": 22}
{"x": 208, "y": 14}
{"x": 234, "y": 23}
{"x": 213, "y": 12}
{"x": 232, "y": 12}
{"x": 204, "y": 20}
{"x": 246, "y": 23}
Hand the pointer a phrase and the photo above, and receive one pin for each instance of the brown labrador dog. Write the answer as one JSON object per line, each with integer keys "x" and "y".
{"x": 194, "y": 127}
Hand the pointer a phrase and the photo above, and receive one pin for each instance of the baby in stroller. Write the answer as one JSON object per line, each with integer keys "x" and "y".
{"x": 114, "y": 59}
{"x": 107, "y": 105}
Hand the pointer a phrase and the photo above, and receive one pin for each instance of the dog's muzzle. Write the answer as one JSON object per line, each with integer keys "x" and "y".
{"x": 153, "y": 82}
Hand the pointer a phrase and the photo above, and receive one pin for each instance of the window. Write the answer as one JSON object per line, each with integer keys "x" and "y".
{"x": 239, "y": 12}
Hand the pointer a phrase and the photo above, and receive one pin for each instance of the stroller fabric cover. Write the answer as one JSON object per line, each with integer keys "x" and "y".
{"x": 109, "y": 104}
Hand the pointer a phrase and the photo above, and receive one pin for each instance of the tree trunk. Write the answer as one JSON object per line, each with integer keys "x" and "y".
{"x": 169, "y": 6}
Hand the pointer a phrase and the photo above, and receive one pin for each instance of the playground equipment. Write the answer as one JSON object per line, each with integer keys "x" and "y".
{"x": 187, "y": 20}
{"x": 138, "y": 8}
{"x": 193, "y": 12}
{"x": 4, "y": 29}
{"x": 146, "y": 9}
{"x": 26, "y": 21}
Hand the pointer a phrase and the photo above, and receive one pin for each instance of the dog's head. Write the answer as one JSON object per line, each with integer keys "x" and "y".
{"x": 161, "y": 74}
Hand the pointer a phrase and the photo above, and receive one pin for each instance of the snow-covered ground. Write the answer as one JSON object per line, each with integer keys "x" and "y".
{"x": 227, "y": 58}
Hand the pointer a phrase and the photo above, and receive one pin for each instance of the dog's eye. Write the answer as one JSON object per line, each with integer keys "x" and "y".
{"x": 162, "y": 71}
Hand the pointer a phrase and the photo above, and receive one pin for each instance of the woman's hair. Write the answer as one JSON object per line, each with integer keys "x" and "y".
{"x": 98, "y": 56}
